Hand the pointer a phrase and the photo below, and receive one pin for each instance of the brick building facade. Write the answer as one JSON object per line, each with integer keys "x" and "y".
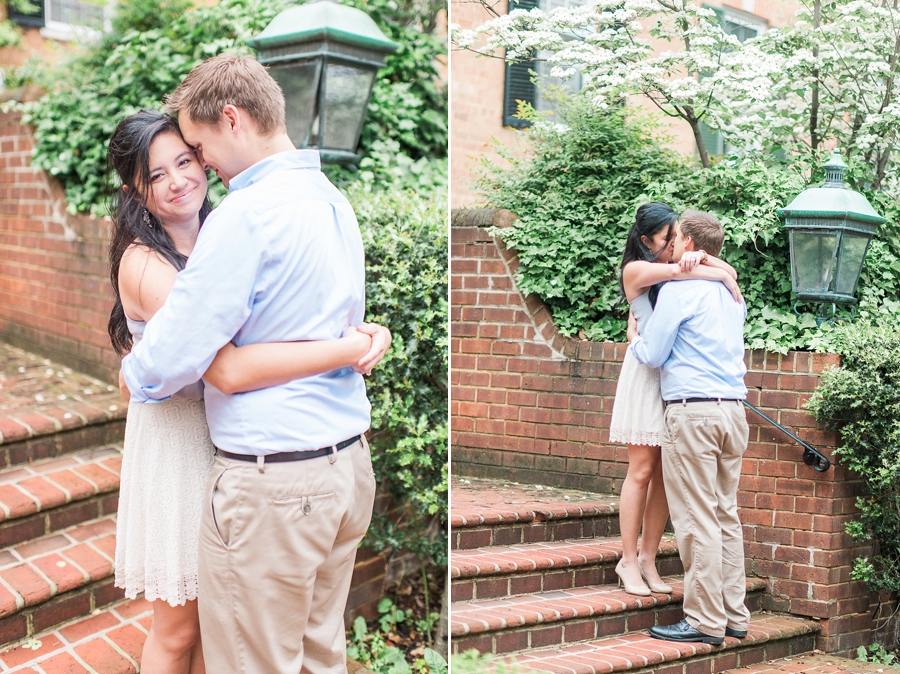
{"x": 531, "y": 406}
{"x": 477, "y": 90}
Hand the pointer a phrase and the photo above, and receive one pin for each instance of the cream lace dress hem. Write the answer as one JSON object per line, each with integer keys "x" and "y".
{"x": 165, "y": 465}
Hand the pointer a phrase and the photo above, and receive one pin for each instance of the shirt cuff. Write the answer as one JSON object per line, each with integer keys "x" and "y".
{"x": 138, "y": 395}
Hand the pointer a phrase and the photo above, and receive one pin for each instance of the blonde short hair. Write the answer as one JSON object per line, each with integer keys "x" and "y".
{"x": 705, "y": 230}
{"x": 230, "y": 79}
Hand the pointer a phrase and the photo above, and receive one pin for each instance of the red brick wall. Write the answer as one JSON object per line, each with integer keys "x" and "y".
{"x": 532, "y": 406}
{"x": 55, "y": 294}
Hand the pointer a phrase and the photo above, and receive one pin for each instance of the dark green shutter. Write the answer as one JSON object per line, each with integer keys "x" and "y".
{"x": 31, "y": 20}
{"x": 518, "y": 85}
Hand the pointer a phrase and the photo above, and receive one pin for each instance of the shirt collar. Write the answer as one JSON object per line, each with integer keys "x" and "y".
{"x": 282, "y": 161}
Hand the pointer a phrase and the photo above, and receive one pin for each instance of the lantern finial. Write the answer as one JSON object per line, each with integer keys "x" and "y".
{"x": 834, "y": 171}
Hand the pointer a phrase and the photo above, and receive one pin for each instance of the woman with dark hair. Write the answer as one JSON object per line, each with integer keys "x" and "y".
{"x": 157, "y": 215}
{"x": 637, "y": 416}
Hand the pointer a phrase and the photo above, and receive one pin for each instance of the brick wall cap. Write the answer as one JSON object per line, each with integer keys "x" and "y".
{"x": 23, "y": 94}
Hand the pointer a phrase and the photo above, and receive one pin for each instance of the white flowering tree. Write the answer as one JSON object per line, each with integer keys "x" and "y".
{"x": 607, "y": 40}
{"x": 830, "y": 78}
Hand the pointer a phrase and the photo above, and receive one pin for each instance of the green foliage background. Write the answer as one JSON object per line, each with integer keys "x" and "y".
{"x": 576, "y": 191}
{"x": 405, "y": 238}
{"x": 861, "y": 399}
{"x": 399, "y": 195}
{"x": 153, "y": 45}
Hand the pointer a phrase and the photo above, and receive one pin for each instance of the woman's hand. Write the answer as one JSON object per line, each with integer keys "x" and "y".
{"x": 734, "y": 288}
{"x": 690, "y": 260}
{"x": 632, "y": 332}
{"x": 381, "y": 339}
{"x": 359, "y": 341}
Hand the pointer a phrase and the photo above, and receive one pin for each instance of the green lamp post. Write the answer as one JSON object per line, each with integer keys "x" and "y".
{"x": 830, "y": 230}
{"x": 324, "y": 55}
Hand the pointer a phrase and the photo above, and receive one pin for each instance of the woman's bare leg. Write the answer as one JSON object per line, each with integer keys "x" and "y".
{"x": 197, "y": 664}
{"x": 643, "y": 461}
{"x": 656, "y": 513}
{"x": 174, "y": 636}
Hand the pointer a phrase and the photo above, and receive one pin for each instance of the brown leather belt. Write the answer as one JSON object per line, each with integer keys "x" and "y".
{"x": 280, "y": 457}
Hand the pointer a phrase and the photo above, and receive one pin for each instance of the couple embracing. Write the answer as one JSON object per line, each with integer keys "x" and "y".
{"x": 246, "y": 478}
{"x": 679, "y": 409}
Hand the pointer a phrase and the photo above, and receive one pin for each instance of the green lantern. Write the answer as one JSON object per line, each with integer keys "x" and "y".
{"x": 830, "y": 230}
{"x": 325, "y": 56}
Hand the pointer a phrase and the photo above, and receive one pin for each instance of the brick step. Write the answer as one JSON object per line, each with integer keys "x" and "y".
{"x": 565, "y": 617}
{"x": 489, "y": 513}
{"x": 49, "y": 410}
{"x": 55, "y": 443}
{"x": 490, "y": 573}
{"x": 108, "y": 642}
{"x": 56, "y": 578}
{"x": 770, "y": 637}
{"x": 814, "y": 663}
{"x": 53, "y": 494}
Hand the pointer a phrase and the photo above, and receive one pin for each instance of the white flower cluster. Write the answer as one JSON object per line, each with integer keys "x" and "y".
{"x": 759, "y": 94}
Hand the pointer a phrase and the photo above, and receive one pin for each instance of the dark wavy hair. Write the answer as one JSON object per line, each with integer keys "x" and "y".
{"x": 650, "y": 219}
{"x": 128, "y": 159}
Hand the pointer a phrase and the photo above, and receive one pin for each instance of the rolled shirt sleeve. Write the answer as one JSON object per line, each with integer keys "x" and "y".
{"x": 210, "y": 301}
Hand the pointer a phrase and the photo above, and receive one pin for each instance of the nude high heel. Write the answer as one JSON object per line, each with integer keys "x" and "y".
{"x": 655, "y": 587}
{"x": 639, "y": 590}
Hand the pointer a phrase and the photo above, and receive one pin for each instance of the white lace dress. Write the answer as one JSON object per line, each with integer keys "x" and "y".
{"x": 637, "y": 417}
{"x": 165, "y": 466}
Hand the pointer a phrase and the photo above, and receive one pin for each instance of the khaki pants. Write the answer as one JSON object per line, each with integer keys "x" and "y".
{"x": 701, "y": 455}
{"x": 277, "y": 550}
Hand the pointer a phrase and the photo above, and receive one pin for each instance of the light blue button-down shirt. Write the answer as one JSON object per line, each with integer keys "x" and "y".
{"x": 696, "y": 337}
{"x": 280, "y": 260}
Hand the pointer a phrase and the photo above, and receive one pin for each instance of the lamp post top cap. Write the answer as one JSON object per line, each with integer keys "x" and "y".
{"x": 324, "y": 19}
{"x": 836, "y": 160}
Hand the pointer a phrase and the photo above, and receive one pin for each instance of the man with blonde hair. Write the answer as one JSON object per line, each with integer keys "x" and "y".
{"x": 696, "y": 337}
{"x": 292, "y": 488}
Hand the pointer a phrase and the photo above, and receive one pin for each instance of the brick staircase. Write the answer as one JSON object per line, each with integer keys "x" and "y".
{"x": 60, "y": 456}
{"x": 533, "y": 579}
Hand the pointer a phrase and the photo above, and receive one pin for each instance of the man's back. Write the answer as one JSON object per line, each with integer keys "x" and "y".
{"x": 280, "y": 260}
{"x": 697, "y": 341}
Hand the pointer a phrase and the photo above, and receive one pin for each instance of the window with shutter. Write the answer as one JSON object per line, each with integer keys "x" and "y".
{"x": 518, "y": 85}
{"x": 34, "y": 19}
{"x": 64, "y": 19}
{"x": 743, "y": 26}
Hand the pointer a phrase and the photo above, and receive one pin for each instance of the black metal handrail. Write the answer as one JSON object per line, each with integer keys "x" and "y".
{"x": 811, "y": 456}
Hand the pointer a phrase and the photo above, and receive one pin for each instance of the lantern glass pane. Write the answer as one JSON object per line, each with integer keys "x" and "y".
{"x": 812, "y": 259}
{"x": 300, "y": 83}
{"x": 346, "y": 101}
{"x": 852, "y": 256}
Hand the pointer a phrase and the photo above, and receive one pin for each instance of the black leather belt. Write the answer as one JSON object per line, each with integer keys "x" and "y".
{"x": 281, "y": 457}
{"x": 702, "y": 400}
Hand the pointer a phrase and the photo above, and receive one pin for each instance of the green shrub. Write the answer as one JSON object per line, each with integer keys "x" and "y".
{"x": 375, "y": 651}
{"x": 573, "y": 192}
{"x": 861, "y": 399}
{"x": 576, "y": 192}
{"x": 153, "y": 46}
{"x": 405, "y": 238}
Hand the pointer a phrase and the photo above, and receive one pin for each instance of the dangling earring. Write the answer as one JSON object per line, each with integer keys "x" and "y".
{"x": 147, "y": 217}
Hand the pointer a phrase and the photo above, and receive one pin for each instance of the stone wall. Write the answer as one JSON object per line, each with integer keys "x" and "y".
{"x": 533, "y": 406}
